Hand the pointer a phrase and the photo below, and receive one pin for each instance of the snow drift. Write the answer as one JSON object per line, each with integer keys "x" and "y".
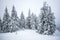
{"x": 28, "y": 35}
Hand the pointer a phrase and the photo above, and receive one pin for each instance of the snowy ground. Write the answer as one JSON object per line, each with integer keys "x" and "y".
{"x": 28, "y": 35}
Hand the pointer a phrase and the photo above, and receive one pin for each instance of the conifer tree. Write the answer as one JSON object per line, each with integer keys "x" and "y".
{"x": 28, "y": 20}
{"x": 34, "y": 21}
{"x": 6, "y": 20}
{"x": 1, "y": 25}
{"x": 46, "y": 20}
{"x": 22, "y": 20}
{"x": 14, "y": 20}
{"x": 51, "y": 22}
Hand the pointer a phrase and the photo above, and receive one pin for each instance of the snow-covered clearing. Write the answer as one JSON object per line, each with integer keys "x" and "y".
{"x": 28, "y": 35}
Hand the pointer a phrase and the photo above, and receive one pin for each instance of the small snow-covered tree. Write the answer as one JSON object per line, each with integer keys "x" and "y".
{"x": 1, "y": 25}
{"x": 28, "y": 20}
{"x": 6, "y": 20}
{"x": 36, "y": 22}
{"x": 14, "y": 20}
{"x": 33, "y": 21}
{"x": 22, "y": 20}
{"x": 46, "y": 20}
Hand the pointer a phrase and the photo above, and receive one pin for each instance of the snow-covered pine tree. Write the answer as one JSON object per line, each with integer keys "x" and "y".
{"x": 1, "y": 25}
{"x": 33, "y": 21}
{"x": 22, "y": 20}
{"x": 44, "y": 10}
{"x": 28, "y": 21}
{"x": 6, "y": 20}
{"x": 51, "y": 22}
{"x": 14, "y": 20}
{"x": 46, "y": 21}
{"x": 41, "y": 19}
{"x": 36, "y": 22}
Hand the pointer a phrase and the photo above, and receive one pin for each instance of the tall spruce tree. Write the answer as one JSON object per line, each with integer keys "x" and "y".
{"x": 14, "y": 20}
{"x": 6, "y": 20}
{"x": 51, "y": 22}
{"x": 46, "y": 20}
{"x": 1, "y": 25}
{"x": 28, "y": 20}
{"x": 22, "y": 20}
{"x": 36, "y": 22}
{"x": 33, "y": 21}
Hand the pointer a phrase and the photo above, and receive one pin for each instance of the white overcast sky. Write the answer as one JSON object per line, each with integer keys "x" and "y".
{"x": 34, "y": 5}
